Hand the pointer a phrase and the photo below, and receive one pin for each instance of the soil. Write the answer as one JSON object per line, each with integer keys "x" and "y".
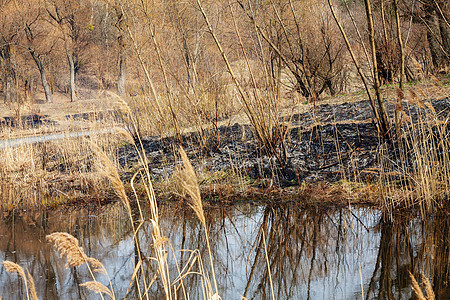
{"x": 326, "y": 144}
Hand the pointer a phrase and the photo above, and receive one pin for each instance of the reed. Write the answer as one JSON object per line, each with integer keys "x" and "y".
{"x": 419, "y": 174}
{"x": 189, "y": 182}
{"x": 418, "y": 291}
{"x": 30, "y": 289}
{"x": 161, "y": 245}
{"x": 67, "y": 245}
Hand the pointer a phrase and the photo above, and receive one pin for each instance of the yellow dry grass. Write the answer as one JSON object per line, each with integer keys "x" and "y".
{"x": 67, "y": 245}
{"x": 30, "y": 288}
{"x": 418, "y": 291}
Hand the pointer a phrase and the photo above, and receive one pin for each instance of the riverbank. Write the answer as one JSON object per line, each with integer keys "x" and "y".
{"x": 331, "y": 154}
{"x": 335, "y": 149}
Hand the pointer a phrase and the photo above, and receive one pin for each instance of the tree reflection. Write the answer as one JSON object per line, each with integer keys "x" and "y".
{"x": 410, "y": 245}
{"x": 312, "y": 253}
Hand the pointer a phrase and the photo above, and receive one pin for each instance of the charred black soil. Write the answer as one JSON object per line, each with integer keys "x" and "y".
{"x": 331, "y": 143}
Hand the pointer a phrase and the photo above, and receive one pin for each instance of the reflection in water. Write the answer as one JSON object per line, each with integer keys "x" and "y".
{"x": 312, "y": 254}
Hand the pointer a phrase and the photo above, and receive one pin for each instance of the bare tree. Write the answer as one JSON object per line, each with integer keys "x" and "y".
{"x": 69, "y": 17}
{"x": 35, "y": 43}
{"x": 379, "y": 111}
{"x": 9, "y": 29}
{"x": 434, "y": 16}
{"x": 309, "y": 49}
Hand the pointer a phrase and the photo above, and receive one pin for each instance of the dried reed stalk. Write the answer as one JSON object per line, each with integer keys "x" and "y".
{"x": 31, "y": 287}
{"x": 190, "y": 184}
{"x": 109, "y": 171}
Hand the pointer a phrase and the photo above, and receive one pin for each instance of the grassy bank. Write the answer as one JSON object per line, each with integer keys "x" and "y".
{"x": 412, "y": 170}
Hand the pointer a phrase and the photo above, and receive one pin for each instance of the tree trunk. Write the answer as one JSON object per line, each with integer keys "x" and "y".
{"x": 434, "y": 37}
{"x": 376, "y": 82}
{"x": 45, "y": 85}
{"x": 398, "y": 122}
{"x": 73, "y": 92}
{"x": 9, "y": 82}
{"x": 121, "y": 81}
{"x": 400, "y": 45}
{"x": 358, "y": 68}
{"x": 76, "y": 65}
{"x": 445, "y": 36}
{"x": 10, "y": 92}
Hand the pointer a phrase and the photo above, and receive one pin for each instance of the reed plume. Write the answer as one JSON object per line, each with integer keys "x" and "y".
{"x": 67, "y": 245}
{"x": 109, "y": 171}
{"x": 97, "y": 288}
{"x": 11, "y": 267}
{"x": 418, "y": 291}
{"x": 96, "y": 265}
{"x": 189, "y": 182}
{"x": 429, "y": 289}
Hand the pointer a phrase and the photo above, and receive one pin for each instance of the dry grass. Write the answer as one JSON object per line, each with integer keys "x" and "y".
{"x": 418, "y": 291}
{"x": 422, "y": 152}
{"x": 68, "y": 246}
{"x": 54, "y": 172}
{"x": 11, "y": 267}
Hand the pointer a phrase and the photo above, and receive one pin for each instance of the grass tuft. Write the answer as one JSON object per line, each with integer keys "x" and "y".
{"x": 418, "y": 291}
{"x": 97, "y": 288}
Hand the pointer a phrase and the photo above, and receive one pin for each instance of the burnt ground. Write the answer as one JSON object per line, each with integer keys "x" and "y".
{"x": 328, "y": 144}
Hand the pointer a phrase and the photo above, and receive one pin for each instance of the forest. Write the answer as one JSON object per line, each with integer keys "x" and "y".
{"x": 166, "y": 47}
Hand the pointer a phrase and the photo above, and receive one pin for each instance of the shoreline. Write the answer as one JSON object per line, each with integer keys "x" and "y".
{"x": 334, "y": 151}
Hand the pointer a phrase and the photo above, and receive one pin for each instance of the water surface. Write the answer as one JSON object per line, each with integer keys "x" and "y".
{"x": 332, "y": 254}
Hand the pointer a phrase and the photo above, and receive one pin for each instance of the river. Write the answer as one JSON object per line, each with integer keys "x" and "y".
{"x": 313, "y": 254}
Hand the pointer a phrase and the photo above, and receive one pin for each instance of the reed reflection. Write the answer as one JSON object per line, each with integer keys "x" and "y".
{"x": 312, "y": 254}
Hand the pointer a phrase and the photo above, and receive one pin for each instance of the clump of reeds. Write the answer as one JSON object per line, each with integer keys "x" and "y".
{"x": 422, "y": 163}
{"x": 189, "y": 182}
{"x": 160, "y": 242}
{"x": 418, "y": 291}
{"x": 11, "y": 267}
